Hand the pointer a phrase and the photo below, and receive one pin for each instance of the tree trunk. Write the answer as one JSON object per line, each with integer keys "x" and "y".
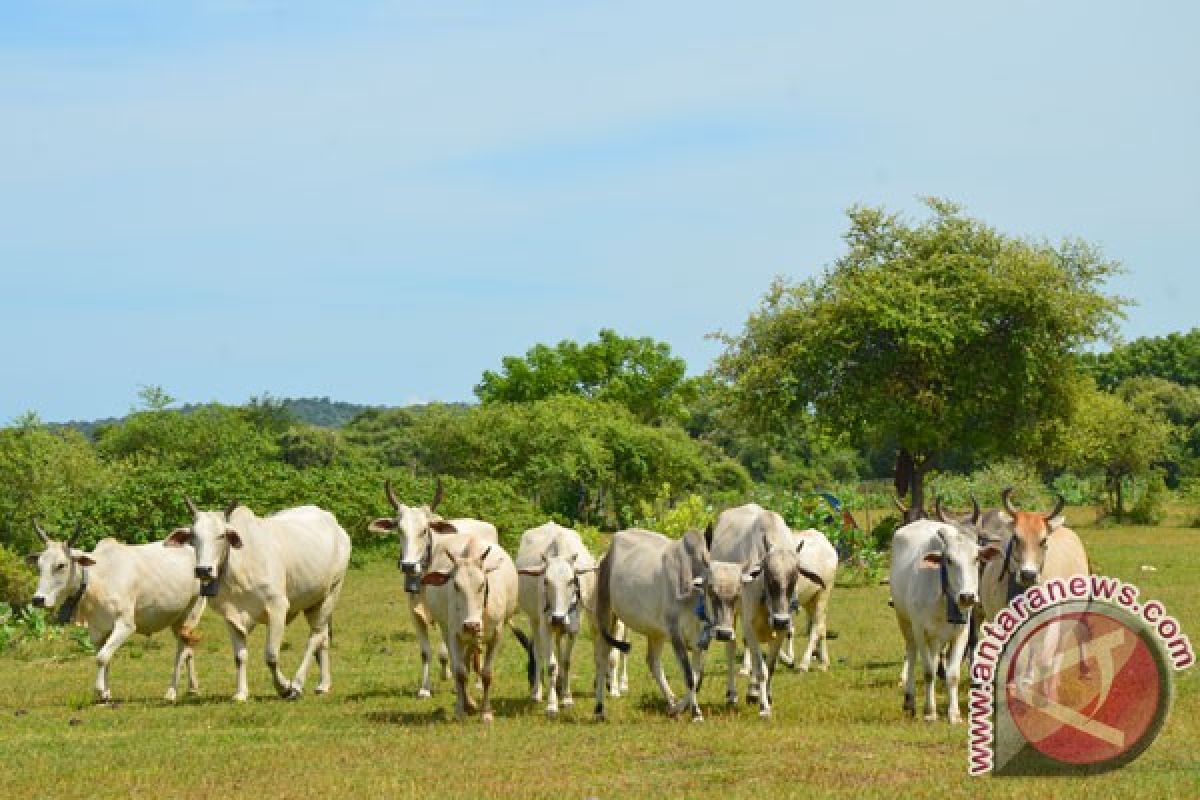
{"x": 1120, "y": 498}
{"x": 920, "y": 466}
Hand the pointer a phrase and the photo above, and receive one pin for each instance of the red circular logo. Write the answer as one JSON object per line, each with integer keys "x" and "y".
{"x": 1087, "y": 688}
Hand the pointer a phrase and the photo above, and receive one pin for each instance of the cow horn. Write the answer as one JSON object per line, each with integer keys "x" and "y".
{"x": 708, "y": 534}
{"x": 1006, "y": 498}
{"x": 191, "y": 506}
{"x": 899, "y": 505}
{"x": 41, "y": 533}
{"x": 437, "y": 495}
{"x": 1062, "y": 502}
{"x": 74, "y": 537}
{"x": 975, "y": 512}
{"x": 229, "y": 509}
{"x": 941, "y": 512}
{"x": 391, "y": 494}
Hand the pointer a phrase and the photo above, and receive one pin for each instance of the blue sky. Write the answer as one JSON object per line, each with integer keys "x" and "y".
{"x": 377, "y": 201}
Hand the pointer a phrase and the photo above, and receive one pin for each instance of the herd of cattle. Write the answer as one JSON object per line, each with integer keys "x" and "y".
{"x": 946, "y": 572}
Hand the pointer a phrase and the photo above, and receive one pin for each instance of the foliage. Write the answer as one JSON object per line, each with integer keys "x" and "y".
{"x": 639, "y": 374}
{"x": 17, "y": 580}
{"x": 576, "y": 459}
{"x": 1151, "y": 506}
{"x": 192, "y": 440}
{"x": 42, "y": 473}
{"x": 306, "y": 446}
{"x": 674, "y": 519}
{"x": 937, "y": 336}
{"x": 862, "y": 560}
{"x": 987, "y": 483}
{"x": 1174, "y": 357}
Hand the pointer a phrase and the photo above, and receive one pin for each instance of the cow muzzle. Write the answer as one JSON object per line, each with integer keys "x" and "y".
{"x": 723, "y": 634}
{"x": 39, "y": 601}
{"x": 408, "y": 567}
{"x": 473, "y": 627}
{"x": 781, "y": 622}
{"x": 966, "y": 600}
{"x": 204, "y": 573}
{"x": 558, "y": 620}
{"x": 1027, "y": 576}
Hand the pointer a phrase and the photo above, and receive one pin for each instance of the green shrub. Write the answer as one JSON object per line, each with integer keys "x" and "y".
{"x": 1151, "y": 506}
{"x": 17, "y": 580}
{"x": 691, "y": 513}
{"x": 304, "y": 446}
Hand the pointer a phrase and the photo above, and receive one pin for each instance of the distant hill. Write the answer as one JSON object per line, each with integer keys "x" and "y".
{"x": 320, "y": 411}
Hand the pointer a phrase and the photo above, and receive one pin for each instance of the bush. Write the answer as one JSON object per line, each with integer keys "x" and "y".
{"x": 306, "y": 446}
{"x": 17, "y": 580}
{"x": 691, "y": 513}
{"x": 1151, "y": 507}
{"x": 987, "y": 483}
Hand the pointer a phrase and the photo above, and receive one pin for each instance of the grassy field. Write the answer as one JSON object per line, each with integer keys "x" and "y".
{"x": 839, "y": 733}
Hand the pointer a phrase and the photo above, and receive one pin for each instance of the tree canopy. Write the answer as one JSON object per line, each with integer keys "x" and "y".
{"x": 1174, "y": 357}
{"x": 935, "y": 335}
{"x": 640, "y": 374}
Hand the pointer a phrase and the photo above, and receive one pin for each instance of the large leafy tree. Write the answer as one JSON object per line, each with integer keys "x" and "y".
{"x": 1174, "y": 357}
{"x": 640, "y": 374}
{"x": 938, "y": 336}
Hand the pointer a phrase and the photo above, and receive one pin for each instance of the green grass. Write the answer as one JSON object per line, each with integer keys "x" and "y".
{"x": 835, "y": 734}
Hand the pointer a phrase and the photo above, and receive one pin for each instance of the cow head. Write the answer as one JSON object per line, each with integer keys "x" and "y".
{"x": 957, "y": 554}
{"x": 211, "y": 535}
{"x": 559, "y": 587}
{"x": 1029, "y": 537}
{"x": 468, "y": 577}
{"x": 416, "y": 525}
{"x": 59, "y": 568}
{"x": 722, "y": 586}
{"x": 778, "y": 572}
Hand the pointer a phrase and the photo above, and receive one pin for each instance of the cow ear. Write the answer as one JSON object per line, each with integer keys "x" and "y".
{"x": 586, "y": 570}
{"x": 697, "y": 583}
{"x": 434, "y": 578}
{"x": 533, "y": 571}
{"x": 233, "y": 537}
{"x": 442, "y": 526}
{"x": 799, "y": 546}
{"x": 749, "y": 575}
{"x": 989, "y": 552}
{"x": 382, "y": 525}
{"x": 84, "y": 560}
{"x": 178, "y": 538}
{"x": 571, "y": 559}
{"x": 32, "y": 559}
{"x": 1054, "y": 523}
{"x": 931, "y": 561}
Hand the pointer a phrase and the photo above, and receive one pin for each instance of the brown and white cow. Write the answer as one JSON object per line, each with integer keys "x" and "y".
{"x": 471, "y": 593}
{"x": 420, "y": 529}
{"x": 118, "y": 590}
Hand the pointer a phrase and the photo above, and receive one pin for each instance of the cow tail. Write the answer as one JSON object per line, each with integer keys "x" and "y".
{"x": 604, "y": 604}
{"x": 530, "y": 664}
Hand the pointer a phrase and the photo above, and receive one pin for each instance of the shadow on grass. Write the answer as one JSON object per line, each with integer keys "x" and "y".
{"x": 443, "y": 711}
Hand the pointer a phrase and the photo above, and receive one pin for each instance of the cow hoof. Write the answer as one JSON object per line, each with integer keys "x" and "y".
{"x": 568, "y": 702}
{"x": 697, "y": 717}
{"x": 486, "y": 717}
{"x": 731, "y": 699}
{"x": 291, "y": 692}
{"x": 240, "y": 697}
{"x": 954, "y": 720}
{"x": 170, "y": 696}
{"x": 424, "y": 693}
{"x": 930, "y": 717}
{"x": 787, "y": 662}
{"x": 764, "y": 713}
{"x": 194, "y": 691}
{"x": 745, "y": 672}
{"x": 552, "y": 713}
{"x": 103, "y": 697}
{"x": 321, "y": 690}
{"x": 599, "y": 714}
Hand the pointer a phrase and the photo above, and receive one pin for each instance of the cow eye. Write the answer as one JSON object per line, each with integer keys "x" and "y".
{"x": 1045, "y": 543}
{"x": 60, "y": 567}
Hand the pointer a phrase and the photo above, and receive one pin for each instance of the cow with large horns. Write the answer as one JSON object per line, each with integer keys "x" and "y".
{"x": 118, "y": 590}
{"x": 420, "y": 529}
{"x": 269, "y": 569}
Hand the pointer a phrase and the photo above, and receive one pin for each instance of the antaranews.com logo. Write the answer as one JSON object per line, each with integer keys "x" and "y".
{"x": 1073, "y": 677}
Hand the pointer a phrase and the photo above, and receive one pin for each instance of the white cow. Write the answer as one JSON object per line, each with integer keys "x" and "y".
{"x": 556, "y": 585}
{"x": 668, "y": 590}
{"x": 420, "y": 529}
{"x": 471, "y": 592}
{"x": 268, "y": 570}
{"x": 761, "y": 542}
{"x": 935, "y": 583}
{"x": 820, "y": 557}
{"x": 118, "y": 590}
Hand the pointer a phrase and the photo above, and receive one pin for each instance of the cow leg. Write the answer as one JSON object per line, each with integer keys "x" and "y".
{"x": 276, "y": 624}
{"x": 908, "y": 678}
{"x": 772, "y": 661}
{"x": 954, "y": 660}
{"x": 654, "y": 648}
{"x": 237, "y": 640}
{"x": 618, "y": 664}
{"x": 459, "y": 665}
{"x": 318, "y": 636}
{"x": 690, "y": 677}
{"x": 759, "y": 686}
{"x": 549, "y": 651}
{"x": 182, "y": 653}
{"x": 930, "y": 656}
{"x": 122, "y": 630}
{"x": 602, "y": 652}
{"x": 747, "y": 667}
{"x": 491, "y": 647}
{"x": 815, "y": 610}
{"x": 566, "y": 646}
{"x": 421, "y": 628}
{"x": 731, "y": 693}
